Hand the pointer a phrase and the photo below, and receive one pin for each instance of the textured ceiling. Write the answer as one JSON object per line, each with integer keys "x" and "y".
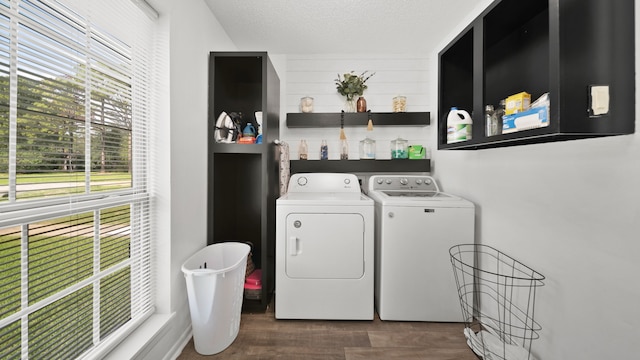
{"x": 339, "y": 26}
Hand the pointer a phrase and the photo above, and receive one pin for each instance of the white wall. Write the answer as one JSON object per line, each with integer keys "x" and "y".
{"x": 314, "y": 75}
{"x": 570, "y": 210}
{"x": 194, "y": 33}
{"x": 189, "y": 33}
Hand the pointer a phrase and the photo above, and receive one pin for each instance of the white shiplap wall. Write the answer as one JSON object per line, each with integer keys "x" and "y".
{"x": 314, "y": 75}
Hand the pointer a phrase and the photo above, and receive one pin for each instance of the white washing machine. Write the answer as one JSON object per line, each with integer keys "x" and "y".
{"x": 324, "y": 249}
{"x": 416, "y": 224}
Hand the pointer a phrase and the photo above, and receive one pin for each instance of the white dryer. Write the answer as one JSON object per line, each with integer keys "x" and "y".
{"x": 416, "y": 225}
{"x": 324, "y": 249}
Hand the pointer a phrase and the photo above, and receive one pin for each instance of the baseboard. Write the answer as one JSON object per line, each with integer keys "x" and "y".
{"x": 179, "y": 346}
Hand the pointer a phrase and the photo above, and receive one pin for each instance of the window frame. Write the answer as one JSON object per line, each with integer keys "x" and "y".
{"x": 24, "y": 212}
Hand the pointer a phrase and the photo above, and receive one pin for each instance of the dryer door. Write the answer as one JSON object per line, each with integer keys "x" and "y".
{"x": 324, "y": 246}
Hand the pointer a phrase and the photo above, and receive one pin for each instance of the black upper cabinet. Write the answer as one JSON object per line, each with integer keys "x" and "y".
{"x": 562, "y": 47}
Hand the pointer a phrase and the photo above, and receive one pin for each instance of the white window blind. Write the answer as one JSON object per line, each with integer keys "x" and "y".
{"x": 76, "y": 88}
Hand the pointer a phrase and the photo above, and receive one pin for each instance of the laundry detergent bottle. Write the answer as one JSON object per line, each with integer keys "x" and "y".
{"x": 249, "y": 130}
{"x": 459, "y": 126}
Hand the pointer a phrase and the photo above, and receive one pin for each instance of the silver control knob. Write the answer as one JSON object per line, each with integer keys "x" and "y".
{"x": 388, "y": 181}
{"x": 404, "y": 181}
{"x": 419, "y": 181}
{"x": 427, "y": 181}
{"x": 347, "y": 181}
{"x": 379, "y": 180}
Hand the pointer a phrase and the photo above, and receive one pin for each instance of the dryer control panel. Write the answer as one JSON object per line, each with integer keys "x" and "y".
{"x": 323, "y": 183}
{"x": 403, "y": 182}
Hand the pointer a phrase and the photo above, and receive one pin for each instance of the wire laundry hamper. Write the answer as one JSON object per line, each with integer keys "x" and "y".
{"x": 497, "y": 296}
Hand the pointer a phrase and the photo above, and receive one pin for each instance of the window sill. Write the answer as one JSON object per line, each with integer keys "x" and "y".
{"x": 142, "y": 339}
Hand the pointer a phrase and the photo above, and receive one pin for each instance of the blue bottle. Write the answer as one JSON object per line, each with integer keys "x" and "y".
{"x": 324, "y": 150}
{"x": 249, "y": 130}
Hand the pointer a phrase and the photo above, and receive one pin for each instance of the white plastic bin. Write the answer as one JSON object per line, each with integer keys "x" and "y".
{"x": 215, "y": 284}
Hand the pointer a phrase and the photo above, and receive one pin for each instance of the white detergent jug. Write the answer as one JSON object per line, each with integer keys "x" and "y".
{"x": 459, "y": 125}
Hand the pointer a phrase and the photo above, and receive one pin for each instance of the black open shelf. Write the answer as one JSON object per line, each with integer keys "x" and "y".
{"x": 360, "y": 166}
{"x": 317, "y": 120}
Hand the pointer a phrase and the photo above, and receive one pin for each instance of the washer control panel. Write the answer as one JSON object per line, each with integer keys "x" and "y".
{"x": 403, "y": 182}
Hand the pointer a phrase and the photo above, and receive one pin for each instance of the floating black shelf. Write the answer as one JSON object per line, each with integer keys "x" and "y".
{"x": 360, "y": 166}
{"x": 317, "y": 120}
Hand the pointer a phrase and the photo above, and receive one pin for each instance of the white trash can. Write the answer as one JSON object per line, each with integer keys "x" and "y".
{"x": 215, "y": 285}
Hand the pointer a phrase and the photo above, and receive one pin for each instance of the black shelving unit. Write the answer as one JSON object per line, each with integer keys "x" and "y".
{"x": 243, "y": 178}
{"x": 562, "y": 47}
{"x": 323, "y": 120}
{"x": 316, "y": 120}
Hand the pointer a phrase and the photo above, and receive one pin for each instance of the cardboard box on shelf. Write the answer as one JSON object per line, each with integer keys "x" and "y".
{"x": 517, "y": 103}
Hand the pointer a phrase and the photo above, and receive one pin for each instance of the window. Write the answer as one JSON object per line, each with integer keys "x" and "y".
{"x": 75, "y": 209}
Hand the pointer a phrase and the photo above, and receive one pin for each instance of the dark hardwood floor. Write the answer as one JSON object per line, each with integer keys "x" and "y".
{"x": 261, "y": 336}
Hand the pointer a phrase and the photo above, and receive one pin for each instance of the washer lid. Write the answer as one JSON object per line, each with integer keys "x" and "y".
{"x": 418, "y": 198}
{"x": 417, "y": 194}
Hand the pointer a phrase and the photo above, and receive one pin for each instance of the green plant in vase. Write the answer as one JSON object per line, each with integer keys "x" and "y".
{"x": 352, "y": 86}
